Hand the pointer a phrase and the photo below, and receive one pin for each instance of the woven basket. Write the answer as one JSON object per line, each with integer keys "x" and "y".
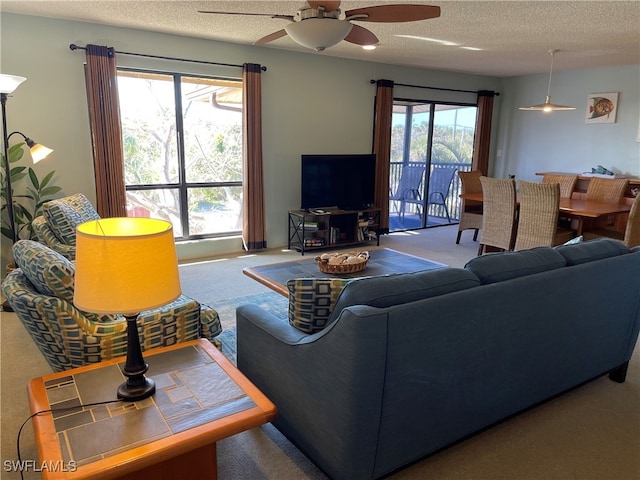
{"x": 343, "y": 268}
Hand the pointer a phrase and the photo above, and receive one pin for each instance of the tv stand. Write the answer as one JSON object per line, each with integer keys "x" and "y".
{"x": 318, "y": 229}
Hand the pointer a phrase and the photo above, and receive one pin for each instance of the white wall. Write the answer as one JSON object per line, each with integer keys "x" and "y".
{"x": 531, "y": 142}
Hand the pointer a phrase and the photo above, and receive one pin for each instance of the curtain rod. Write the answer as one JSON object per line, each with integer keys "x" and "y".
{"x": 437, "y": 88}
{"x": 73, "y": 46}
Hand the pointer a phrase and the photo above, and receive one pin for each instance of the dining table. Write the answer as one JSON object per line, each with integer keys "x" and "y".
{"x": 577, "y": 208}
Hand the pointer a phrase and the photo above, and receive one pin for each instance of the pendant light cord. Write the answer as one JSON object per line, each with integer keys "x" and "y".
{"x": 552, "y": 52}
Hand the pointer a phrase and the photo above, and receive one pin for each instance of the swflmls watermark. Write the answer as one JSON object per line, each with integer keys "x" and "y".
{"x": 36, "y": 466}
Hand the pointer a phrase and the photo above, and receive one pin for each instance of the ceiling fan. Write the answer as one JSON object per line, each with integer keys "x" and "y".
{"x": 322, "y": 24}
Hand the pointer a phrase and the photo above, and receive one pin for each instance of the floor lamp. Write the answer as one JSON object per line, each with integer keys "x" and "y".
{"x": 8, "y": 84}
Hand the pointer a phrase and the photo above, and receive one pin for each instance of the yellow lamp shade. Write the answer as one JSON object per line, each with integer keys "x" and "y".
{"x": 125, "y": 265}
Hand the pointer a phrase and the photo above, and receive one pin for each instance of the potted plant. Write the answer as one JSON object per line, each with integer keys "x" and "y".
{"x": 27, "y": 205}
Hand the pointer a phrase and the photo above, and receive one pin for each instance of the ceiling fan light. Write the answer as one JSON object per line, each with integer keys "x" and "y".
{"x": 318, "y": 33}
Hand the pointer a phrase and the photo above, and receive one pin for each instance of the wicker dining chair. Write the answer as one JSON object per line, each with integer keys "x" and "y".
{"x": 538, "y": 217}
{"x": 567, "y": 182}
{"x": 470, "y": 210}
{"x": 499, "y": 213}
{"x": 607, "y": 190}
{"x": 631, "y": 234}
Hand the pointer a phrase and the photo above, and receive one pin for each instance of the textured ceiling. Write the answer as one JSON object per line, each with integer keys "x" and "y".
{"x": 514, "y": 37}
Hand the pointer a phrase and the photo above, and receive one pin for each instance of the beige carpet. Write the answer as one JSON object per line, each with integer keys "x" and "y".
{"x": 590, "y": 433}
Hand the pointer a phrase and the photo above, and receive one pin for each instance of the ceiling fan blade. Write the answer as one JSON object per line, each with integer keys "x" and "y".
{"x": 361, "y": 36}
{"x": 272, "y": 15}
{"x": 328, "y": 6}
{"x": 271, "y": 37}
{"x": 395, "y": 13}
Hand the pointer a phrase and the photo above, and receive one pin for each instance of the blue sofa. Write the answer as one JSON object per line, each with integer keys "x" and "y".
{"x": 412, "y": 363}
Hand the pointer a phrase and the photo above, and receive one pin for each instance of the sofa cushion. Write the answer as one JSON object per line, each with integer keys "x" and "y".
{"x": 65, "y": 214}
{"x": 387, "y": 290}
{"x": 50, "y": 273}
{"x": 311, "y": 301}
{"x": 498, "y": 267}
{"x": 591, "y": 250}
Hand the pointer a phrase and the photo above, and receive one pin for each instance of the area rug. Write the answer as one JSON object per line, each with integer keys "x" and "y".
{"x": 269, "y": 301}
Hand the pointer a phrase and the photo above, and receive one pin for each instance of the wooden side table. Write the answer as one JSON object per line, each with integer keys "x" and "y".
{"x": 201, "y": 398}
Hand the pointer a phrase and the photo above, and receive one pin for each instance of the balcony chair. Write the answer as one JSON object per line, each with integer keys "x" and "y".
{"x": 408, "y": 190}
{"x": 56, "y": 227}
{"x": 470, "y": 211}
{"x": 499, "y": 213}
{"x": 439, "y": 185}
{"x": 631, "y": 235}
{"x": 538, "y": 217}
{"x": 40, "y": 291}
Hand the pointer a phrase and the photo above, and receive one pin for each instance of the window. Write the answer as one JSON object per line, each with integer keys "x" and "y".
{"x": 182, "y": 141}
{"x": 429, "y": 142}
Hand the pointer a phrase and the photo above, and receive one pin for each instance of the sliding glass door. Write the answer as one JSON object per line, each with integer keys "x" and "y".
{"x": 429, "y": 142}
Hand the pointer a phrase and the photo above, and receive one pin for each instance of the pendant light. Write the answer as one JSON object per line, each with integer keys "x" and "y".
{"x": 547, "y": 106}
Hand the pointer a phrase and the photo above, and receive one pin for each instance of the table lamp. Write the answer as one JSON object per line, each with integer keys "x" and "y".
{"x": 127, "y": 265}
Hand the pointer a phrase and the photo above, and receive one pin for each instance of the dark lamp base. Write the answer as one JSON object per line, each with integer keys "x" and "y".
{"x": 137, "y": 387}
{"x": 134, "y": 393}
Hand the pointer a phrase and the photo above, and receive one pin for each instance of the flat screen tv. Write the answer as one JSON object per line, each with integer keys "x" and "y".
{"x": 343, "y": 181}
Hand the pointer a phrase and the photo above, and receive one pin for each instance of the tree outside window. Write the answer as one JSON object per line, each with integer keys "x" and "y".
{"x": 182, "y": 140}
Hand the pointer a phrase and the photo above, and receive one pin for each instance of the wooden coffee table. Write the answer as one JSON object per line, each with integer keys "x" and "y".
{"x": 383, "y": 261}
{"x": 201, "y": 398}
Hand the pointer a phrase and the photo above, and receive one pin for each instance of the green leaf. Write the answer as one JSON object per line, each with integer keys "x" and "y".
{"x": 32, "y": 194}
{"x": 29, "y": 198}
{"x": 6, "y": 231}
{"x": 15, "y": 171}
{"x": 15, "y": 152}
{"x": 47, "y": 178}
{"x": 46, "y": 192}
{"x": 34, "y": 178}
{"x": 18, "y": 177}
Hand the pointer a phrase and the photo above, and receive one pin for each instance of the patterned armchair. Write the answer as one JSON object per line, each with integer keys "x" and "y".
{"x": 41, "y": 293}
{"x": 56, "y": 227}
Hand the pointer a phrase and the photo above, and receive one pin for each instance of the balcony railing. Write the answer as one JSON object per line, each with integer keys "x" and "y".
{"x": 412, "y": 215}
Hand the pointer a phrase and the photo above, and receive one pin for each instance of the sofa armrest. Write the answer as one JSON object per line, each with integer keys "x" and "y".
{"x": 327, "y": 386}
{"x": 191, "y": 319}
{"x": 209, "y": 322}
{"x": 271, "y": 325}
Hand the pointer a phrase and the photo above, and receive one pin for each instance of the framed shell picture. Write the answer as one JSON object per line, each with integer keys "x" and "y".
{"x": 602, "y": 108}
